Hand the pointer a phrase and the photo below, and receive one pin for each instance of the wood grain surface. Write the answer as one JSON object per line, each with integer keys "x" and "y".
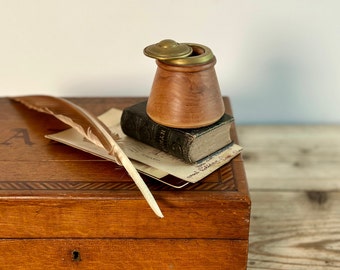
{"x": 294, "y": 178}
{"x": 118, "y": 254}
{"x": 185, "y": 96}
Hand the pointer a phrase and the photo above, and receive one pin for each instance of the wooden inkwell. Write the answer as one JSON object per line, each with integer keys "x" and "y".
{"x": 185, "y": 91}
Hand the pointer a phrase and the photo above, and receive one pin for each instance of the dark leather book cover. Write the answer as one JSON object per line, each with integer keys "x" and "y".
{"x": 189, "y": 145}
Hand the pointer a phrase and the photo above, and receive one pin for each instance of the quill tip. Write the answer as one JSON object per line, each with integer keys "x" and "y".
{"x": 154, "y": 206}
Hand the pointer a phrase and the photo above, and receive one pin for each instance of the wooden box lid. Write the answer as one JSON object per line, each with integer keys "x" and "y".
{"x": 50, "y": 190}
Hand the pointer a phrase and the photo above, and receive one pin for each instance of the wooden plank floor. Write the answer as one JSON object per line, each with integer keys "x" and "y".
{"x": 294, "y": 180}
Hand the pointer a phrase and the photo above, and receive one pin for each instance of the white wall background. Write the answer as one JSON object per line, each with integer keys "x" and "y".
{"x": 279, "y": 60}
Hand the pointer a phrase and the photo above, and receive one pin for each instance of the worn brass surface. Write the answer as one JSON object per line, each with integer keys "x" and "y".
{"x": 201, "y": 55}
{"x": 182, "y": 54}
{"x": 168, "y": 49}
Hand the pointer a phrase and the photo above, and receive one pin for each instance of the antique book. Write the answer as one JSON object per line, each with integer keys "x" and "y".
{"x": 191, "y": 145}
{"x": 147, "y": 159}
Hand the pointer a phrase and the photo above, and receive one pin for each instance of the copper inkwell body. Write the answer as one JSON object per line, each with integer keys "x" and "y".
{"x": 185, "y": 91}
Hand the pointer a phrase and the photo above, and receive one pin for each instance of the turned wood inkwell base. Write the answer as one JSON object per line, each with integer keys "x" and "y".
{"x": 185, "y": 91}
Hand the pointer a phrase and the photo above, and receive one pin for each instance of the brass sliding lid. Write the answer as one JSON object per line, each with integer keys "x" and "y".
{"x": 167, "y": 49}
{"x": 171, "y": 52}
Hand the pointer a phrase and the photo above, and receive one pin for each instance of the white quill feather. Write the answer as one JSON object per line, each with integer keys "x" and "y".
{"x": 93, "y": 130}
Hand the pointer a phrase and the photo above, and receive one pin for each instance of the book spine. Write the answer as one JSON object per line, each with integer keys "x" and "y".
{"x": 163, "y": 138}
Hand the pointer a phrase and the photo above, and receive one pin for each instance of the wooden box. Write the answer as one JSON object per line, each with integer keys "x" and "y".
{"x": 61, "y": 208}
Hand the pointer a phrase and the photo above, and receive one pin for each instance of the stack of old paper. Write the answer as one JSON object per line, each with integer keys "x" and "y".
{"x": 148, "y": 160}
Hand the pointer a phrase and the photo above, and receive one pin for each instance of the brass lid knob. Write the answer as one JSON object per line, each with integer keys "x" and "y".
{"x": 168, "y": 49}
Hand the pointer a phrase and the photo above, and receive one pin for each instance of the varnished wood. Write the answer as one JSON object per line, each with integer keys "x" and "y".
{"x": 118, "y": 254}
{"x": 54, "y": 198}
{"x": 294, "y": 178}
{"x": 185, "y": 96}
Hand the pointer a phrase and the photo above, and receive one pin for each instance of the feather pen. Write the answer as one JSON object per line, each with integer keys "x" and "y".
{"x": 93, "y": 130}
